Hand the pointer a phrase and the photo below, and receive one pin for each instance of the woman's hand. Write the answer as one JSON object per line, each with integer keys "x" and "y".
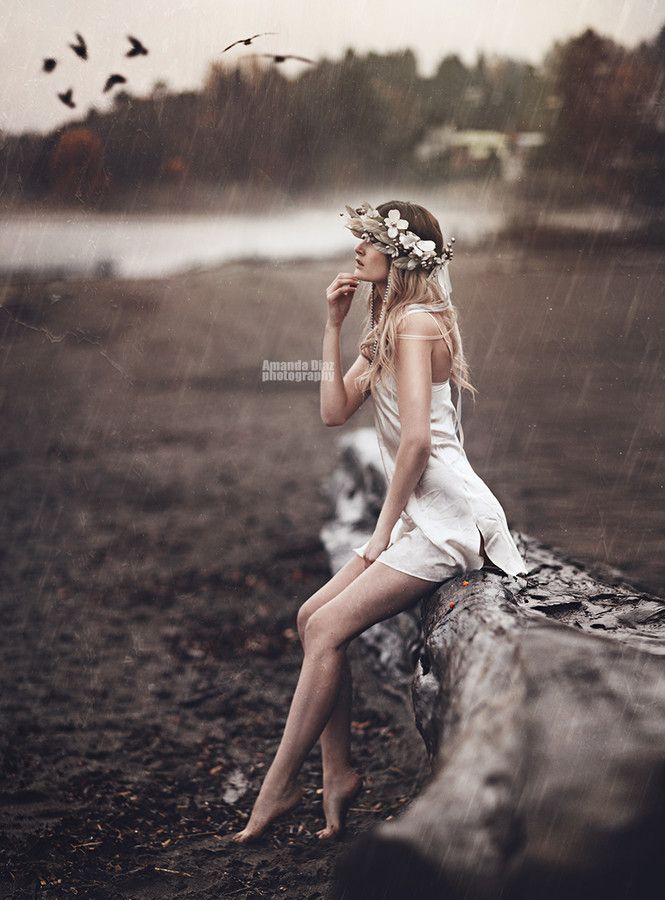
{"x": 339, "y": 295}
{"x": 377, "y": 544}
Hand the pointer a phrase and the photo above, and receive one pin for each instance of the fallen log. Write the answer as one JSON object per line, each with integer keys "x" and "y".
{"x": 541, "y": 702}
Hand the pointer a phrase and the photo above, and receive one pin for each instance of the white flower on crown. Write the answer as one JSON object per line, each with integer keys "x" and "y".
{"x": 395, "y": 223}
{"x": 408, "y": 240}
{"x": 424, "y": 249}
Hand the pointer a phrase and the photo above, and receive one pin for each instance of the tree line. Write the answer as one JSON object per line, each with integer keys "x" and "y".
{"x": 600, "y": 105}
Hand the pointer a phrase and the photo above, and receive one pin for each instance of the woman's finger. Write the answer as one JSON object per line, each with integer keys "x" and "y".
{"x": 340, "y": 281}
{"x": 340, "y": 292}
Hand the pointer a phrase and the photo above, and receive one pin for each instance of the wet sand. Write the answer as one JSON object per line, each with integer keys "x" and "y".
{"x": 161, "y": 514}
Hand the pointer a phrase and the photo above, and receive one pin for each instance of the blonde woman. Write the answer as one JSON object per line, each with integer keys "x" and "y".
{"x": 438, "y": 519}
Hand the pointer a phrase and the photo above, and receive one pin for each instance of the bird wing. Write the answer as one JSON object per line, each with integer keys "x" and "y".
{"x": 114, "y": 79}
{"x": 230, "y": 45}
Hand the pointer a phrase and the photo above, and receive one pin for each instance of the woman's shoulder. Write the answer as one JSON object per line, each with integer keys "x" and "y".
{"x": 412, "y": 309}
{"x": 418, "y": 321}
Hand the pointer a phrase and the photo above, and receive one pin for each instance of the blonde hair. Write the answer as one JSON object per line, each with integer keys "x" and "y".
{"x": 410, "y": 286}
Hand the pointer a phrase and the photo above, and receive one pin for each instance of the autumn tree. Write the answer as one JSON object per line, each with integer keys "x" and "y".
{"x": 76, "y": 166}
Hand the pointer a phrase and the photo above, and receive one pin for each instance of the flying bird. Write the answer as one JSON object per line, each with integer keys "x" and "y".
{"x": 49, "y": 64}
{"x": 112, "y": 80}
{"x": 280, "y": 58}
{"x": 137, "y": 47}
{"x": 67, "y": 99}
{"x": 80, "y": 49}
{"x": 247, "y": 41}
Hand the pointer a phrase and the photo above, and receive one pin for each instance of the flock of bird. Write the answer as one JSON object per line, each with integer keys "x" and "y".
{"x": 137, "y": 49}
{"x": 81, "y": 50}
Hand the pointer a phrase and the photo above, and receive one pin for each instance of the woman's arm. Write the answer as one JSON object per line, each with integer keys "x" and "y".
{"x": 413, "y": 363}
{"x": 340, "y": 398}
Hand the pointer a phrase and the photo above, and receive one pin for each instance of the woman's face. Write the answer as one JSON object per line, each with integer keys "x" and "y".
{"x": 371, "y": 264}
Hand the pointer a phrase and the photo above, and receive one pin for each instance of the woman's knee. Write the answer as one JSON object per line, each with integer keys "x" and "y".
{"x": 326, "y": 593}
{"x": 310, "y": 606}
{"x": 307, "y": 609}
{"x": 301, "y": 620}
{"x": 319, "y": 633}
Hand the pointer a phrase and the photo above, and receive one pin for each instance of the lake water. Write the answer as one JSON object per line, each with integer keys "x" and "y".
{"x": 136, "y": 245}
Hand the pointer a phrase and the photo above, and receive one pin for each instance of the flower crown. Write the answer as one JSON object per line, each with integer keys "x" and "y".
{"x": 390, "y": 235}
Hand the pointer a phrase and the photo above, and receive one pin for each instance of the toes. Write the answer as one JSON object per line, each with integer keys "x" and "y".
{"x": 242, "y": 837}
{"x": 330, "y": 831}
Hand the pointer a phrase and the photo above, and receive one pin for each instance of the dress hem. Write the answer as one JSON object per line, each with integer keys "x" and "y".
{"x": 454, "y": 574}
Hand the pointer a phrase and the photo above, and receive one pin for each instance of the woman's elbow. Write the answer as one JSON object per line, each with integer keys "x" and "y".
{"x": 419, "y": 445}
{"x": 332, "y": 421}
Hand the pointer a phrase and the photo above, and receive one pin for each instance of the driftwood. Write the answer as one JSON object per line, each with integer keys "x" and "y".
{"x": 541, "y": 702}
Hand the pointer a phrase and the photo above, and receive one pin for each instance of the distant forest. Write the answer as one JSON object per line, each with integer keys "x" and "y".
{"x": 600, "y": 105}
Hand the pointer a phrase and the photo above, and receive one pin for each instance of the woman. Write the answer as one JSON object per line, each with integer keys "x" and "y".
{"x": 438, "y": 519}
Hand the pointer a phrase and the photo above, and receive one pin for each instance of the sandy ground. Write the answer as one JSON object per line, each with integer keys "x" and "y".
{"x": 161, "y": 514}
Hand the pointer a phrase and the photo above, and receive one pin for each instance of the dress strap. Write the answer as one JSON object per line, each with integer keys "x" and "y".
{"x": 421, "y": 337}
{"x": 416, "y": 307}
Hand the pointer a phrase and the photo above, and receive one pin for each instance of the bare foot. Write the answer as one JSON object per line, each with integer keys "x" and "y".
{"x": 337, "y": 798}
{"x": 266, "y": 810}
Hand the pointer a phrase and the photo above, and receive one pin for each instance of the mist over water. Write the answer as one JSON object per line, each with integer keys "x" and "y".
{"x": 307, "y": 226}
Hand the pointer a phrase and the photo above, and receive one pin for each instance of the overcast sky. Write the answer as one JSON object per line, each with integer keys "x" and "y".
{"x": 183, "y": 36}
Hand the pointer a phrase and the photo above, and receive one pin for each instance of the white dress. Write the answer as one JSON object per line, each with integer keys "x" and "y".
{"x": 438, "y": 534}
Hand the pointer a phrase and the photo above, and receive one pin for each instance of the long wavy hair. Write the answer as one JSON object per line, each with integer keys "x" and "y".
{"x": 410, "y": 286}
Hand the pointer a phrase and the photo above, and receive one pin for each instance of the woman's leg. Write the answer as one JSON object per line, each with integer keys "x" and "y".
{"x": 376, "y": 594}
{"x": 335, "y": 744}
{"x": 341, "y": 783}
